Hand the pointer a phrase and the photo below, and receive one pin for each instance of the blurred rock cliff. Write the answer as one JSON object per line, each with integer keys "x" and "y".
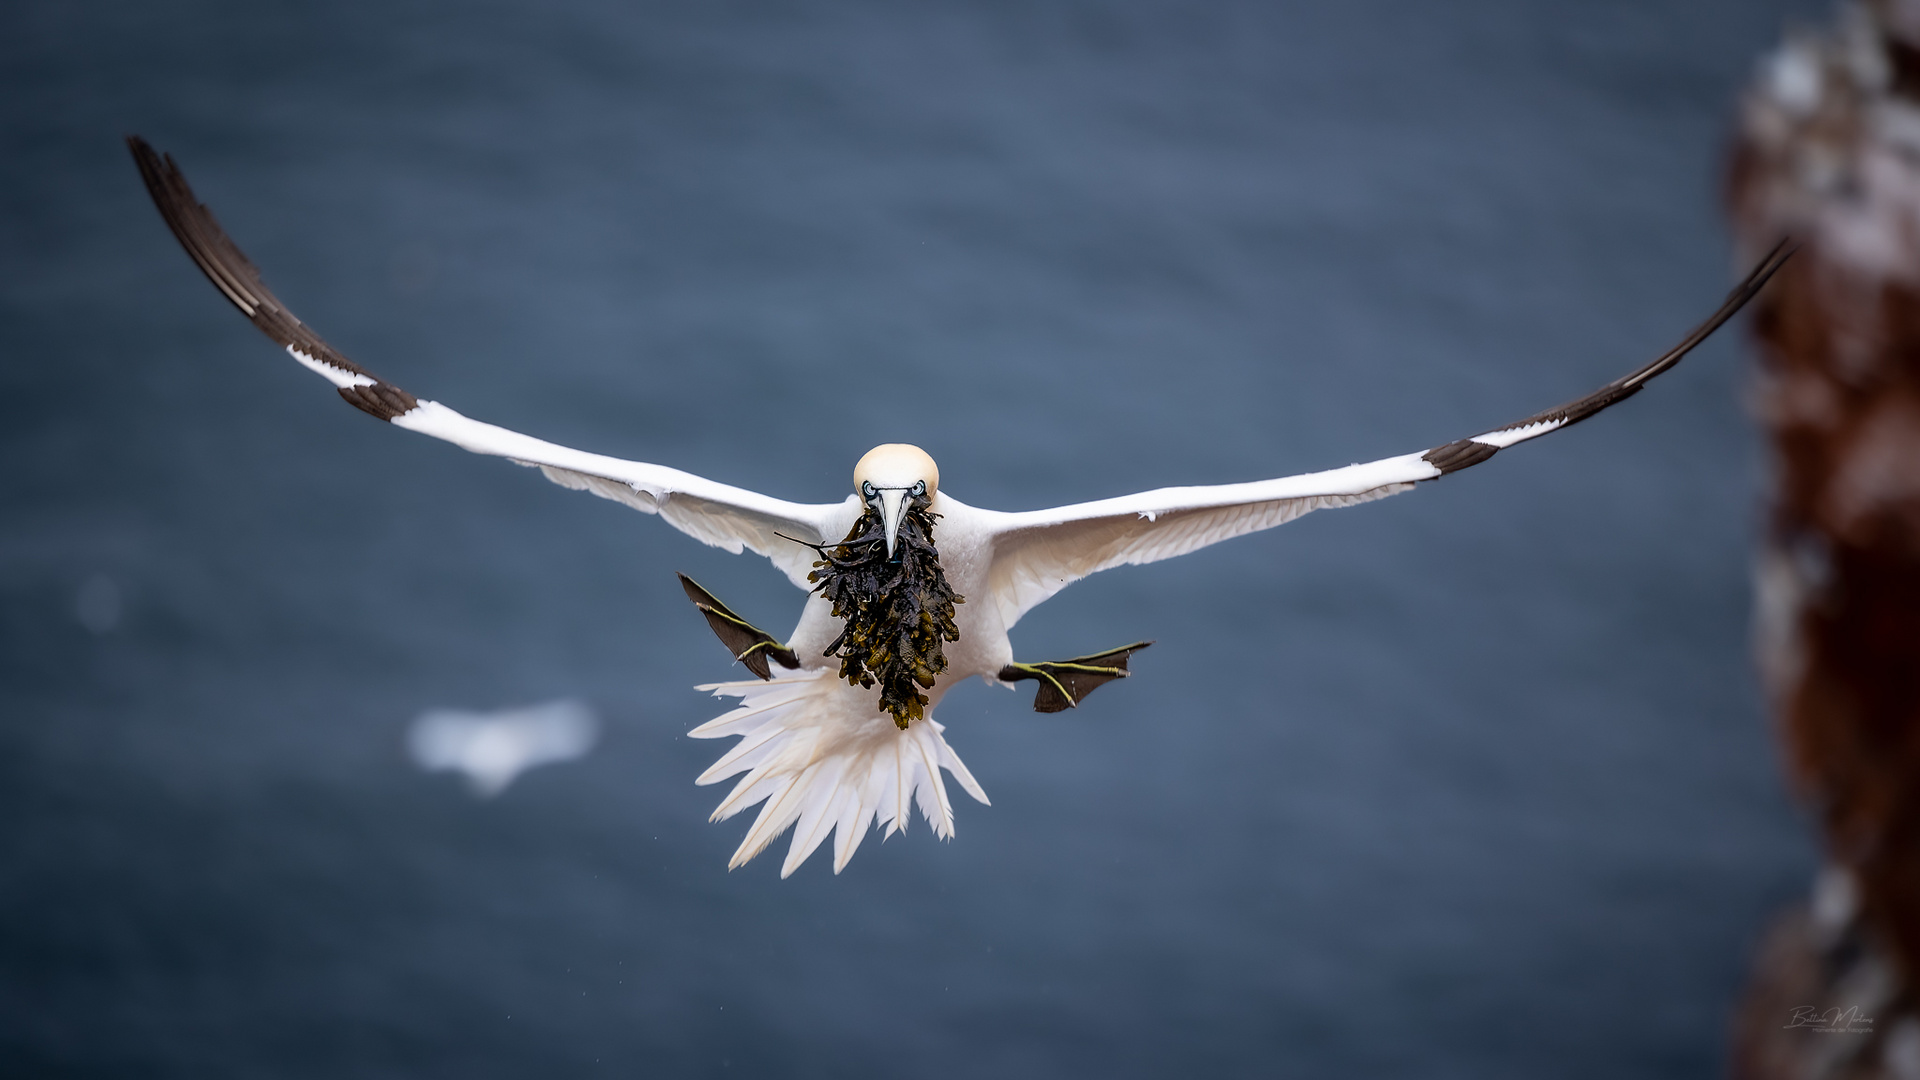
{"x": 1829, "y": 153}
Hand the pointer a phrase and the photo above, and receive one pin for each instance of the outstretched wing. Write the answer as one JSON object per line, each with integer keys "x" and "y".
{"x": 725, "y": 517}
{"x": 1040, "y": 552}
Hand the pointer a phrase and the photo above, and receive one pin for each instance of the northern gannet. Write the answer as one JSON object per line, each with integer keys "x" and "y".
{"x": 911, "y": 590}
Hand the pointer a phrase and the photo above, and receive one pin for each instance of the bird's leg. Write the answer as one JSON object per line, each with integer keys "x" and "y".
{"x": 748, "y": 643}
{"x": 1065, "y": 683}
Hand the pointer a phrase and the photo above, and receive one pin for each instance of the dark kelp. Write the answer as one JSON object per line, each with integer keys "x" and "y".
{"x": 899, "y": 612}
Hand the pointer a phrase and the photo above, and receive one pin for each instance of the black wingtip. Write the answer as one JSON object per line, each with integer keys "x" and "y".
{"x": 230, "y": 271}
{"x": 1464, "y": 453}
{"x": 1459, "y": 454}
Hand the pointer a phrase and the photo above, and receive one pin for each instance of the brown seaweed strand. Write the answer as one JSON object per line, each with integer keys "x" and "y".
{"x": 898, "y": 612}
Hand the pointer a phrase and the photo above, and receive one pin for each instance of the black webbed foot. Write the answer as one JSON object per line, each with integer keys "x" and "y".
{"x": 1065, "y": 683}
{"x": 748, "y": 643}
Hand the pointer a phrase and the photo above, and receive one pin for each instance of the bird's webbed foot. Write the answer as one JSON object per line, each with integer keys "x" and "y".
{"x": 748, "y": 643}
{"x": 1065, "y": 683}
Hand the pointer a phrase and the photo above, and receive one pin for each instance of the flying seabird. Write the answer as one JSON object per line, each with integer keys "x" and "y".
{"x": 910, "y": 589}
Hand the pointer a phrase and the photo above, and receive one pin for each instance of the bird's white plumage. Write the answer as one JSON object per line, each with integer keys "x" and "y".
{"x": 821, "y": 758}
{"x": 1040, "y": 552}
{"x": 723, "y": 516}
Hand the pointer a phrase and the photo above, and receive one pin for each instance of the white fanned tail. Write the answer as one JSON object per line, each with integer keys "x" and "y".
{"x": 824, "y": 758}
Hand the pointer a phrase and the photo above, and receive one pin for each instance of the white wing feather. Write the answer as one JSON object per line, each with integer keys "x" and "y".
{"x": 1040, "y": 552}
{"x": 827, "y": 762}
{"x": 723, "y": 516}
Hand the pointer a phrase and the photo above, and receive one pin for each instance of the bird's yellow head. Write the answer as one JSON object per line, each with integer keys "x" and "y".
{"x": 889, "y": 476}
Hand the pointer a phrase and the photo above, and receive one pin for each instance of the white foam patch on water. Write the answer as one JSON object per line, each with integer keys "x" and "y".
{"x": 492, "y": 749}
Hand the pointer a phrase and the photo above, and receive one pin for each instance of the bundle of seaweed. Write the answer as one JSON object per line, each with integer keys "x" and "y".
{"x": 898, "y": 611}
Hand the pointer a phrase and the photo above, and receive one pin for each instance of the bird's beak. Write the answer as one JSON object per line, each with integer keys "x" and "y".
{"x": 893, "y": 506}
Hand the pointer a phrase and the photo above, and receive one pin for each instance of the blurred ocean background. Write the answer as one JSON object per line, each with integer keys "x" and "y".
{"x": 1474, "y": 782}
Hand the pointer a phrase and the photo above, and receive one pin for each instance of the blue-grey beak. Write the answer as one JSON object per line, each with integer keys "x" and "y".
{"x": 893, "y": 507}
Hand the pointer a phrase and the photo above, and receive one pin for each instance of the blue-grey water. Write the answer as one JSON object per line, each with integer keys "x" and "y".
{"x": 1472, "y": 782}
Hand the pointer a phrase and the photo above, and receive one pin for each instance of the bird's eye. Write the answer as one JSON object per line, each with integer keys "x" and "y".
{"x": 866, "y": 490}
{"x": 919, "y": 489}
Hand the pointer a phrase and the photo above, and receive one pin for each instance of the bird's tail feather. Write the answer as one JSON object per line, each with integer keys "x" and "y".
{"x": 823, "y": 759}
